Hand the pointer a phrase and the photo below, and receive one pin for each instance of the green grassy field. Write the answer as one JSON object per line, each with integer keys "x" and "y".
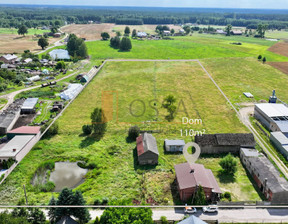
{"x": 118, "y": 175}
{"x": 236, "y": 76}
{"x": 189, "y": 47}
{"x": 277, "y": 34}
{"x": 14, "y": 31}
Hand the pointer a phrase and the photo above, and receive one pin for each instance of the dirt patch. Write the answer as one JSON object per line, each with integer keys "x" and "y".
{"x": 280, "y": 48}
{"x": 282, "y": 66}
{"x": 93, "y": 31}
{"x": 12, "y": 43}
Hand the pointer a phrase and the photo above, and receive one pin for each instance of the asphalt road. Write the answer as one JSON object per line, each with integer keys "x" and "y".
{"x": 247, "y": 215}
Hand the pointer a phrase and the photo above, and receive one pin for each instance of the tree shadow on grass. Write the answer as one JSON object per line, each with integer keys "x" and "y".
{"x": 226, "y": 178}
{"x": 175, "y": 193}
{"x": 137, "y": 166}
{"x": 90, "y": 140}
{"x": 130, "y": 140}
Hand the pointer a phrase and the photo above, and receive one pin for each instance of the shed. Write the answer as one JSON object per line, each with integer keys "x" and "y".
{"x": 236, "y": 32}
{"x": 29, "y": 106}
{"x": 8, "y": 58}
{"x": 24, "y": 130}
{"x": 248, "y": 95}
{"x": 174, "y": 145}
{"x": 84, "y": 79}
{"x": 34, "y": 78}
{"x": 67, "y": 220}
{"x": 27, "y": 60}
{"x": 147, "y": 150}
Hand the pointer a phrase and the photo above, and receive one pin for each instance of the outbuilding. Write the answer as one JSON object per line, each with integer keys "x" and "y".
{"x": 268, "y": 179}
{"x": 29, "y": 106}
{"x": 224, "y": 143}
{"x": 24, "y": 130}
{"x": 147, "y": 151}
{"x": 274, "y": 116}
{"x": 280, "y": 141}
{"x": 8, "y": 58}
{"x": 174, "y": 145}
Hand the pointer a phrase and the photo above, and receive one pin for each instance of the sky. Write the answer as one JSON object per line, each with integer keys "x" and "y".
{"x": 255, "y": 4}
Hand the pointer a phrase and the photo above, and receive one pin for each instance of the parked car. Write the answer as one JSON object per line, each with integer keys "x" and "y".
{"x": 210, "y": 209}
{"x": 190, "y": 210}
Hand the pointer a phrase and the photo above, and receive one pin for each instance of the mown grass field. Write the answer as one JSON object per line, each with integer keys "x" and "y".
{"x": 190, "y": 47}
{"x": 118, "y": 175}
{"x": 238, "y": 75}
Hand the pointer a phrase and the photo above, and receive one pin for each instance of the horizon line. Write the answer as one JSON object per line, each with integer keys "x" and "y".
{"x": 131, "y": 6}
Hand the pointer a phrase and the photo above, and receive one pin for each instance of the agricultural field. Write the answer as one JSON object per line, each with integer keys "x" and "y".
{"x": 14, "y": 43}
{"x": 283, "y": 34}
{"x": 197, "y": 46}
{"x": 93, "y": 31}
{"x": 117, "y": 174}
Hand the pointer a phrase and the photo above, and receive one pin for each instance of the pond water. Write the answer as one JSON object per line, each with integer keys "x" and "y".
{"x": 67, "y": 175}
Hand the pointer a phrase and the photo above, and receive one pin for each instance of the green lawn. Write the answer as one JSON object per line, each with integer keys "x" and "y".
{"x": 277, "y": 34}
{"x": 189, "y": 47}
{"x": 118, "y": 175}
{"x": 14, "y": 31}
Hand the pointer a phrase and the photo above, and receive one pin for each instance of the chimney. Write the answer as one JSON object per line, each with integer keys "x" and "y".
{"x": 192, "y": 171}
{"x": 14, "y": 150}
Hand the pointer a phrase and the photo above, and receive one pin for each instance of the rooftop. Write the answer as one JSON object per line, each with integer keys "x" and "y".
{"x": 59, "y": 54}
{"x": 264, "y": 169}
{"x": 13, "y": 147}
{"x": 174, "y": 142}
{"x": 146, "y": 142}
{"x": 9, "y": 56}
{"x": 250, "y": 152}
{"x": 192, "y": 220}
{"x": 200, "y": 176}
{"x": 30, "y": 103}
{"x": 241, "y": 139}
{"x": 25, "y": 130}
{"x": 273, "y": 109}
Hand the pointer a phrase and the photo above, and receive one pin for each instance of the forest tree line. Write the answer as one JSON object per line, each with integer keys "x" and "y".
{"x": 33, "y": 16}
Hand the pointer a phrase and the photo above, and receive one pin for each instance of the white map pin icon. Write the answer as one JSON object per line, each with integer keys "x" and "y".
{"x": 191, "y": 158}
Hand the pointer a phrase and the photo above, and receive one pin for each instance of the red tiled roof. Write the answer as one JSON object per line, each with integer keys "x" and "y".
{"x": 200, "y": 176}
{"x": 140, "y": 146}
{"x": 25, "y": 130}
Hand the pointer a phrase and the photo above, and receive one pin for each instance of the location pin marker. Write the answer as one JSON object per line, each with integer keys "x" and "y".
{"x": 191, "y": 158}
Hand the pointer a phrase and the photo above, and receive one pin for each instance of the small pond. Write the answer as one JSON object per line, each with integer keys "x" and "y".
{"x": 67, "y": 175}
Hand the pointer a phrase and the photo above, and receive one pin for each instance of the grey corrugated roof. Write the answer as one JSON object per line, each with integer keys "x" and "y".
{"x": 265, "y": 169}
{"x": 10, "y": 56}
{"x": 241, "y": 139}
{"x": 29, "y": 103}
{"x": 283, "y": 125}
{"x": 280, "y": 137}
{"x": 174, "y": 142}
{"x": 273, "y": 109}
{"x": 59, "y": 54}
{"x": 150, "y": 143}
{"x": 250, "y": 152}
{"x": 192, "y": 220}
{"x": 18, "y": 143}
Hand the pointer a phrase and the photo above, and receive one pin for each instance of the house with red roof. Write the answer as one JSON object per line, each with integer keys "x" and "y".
{"x": 190, "y": 177}
{"x": 147, "y": 150}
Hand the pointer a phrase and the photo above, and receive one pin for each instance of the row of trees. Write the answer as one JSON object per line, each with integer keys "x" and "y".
{"x": 123, "y": 44}
{"x": 35, "y": 17}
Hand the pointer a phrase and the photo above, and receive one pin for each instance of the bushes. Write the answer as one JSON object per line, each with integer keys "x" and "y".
{"x": 54, "y": 129}
{"x": 229, "y": 164}
{"x": 7, "y": 164}
{"x": 89, "y": 166}
{"x": 133, "y": 132}
{"x": 87, "y": 129}
{"x": 227, "y": 195}
{"x": 163, "y": 220}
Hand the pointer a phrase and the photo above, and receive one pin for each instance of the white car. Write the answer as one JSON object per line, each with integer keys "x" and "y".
{"x": 190, "y": 210}
{"x": 210, "y": 209}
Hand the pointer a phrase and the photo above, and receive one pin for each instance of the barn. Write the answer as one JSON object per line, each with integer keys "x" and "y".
{"x": 224, "y": 143}
{"x": 268, "y": 179}
{"x": 147, "y": 150}
{"x": 29, "y": 106}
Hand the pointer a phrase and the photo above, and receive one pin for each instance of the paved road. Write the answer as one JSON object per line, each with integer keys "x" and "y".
{"x": 248, "y": 215}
